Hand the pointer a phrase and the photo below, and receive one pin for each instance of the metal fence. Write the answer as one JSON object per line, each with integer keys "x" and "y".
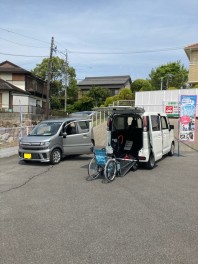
{"x": 26, "y": 109}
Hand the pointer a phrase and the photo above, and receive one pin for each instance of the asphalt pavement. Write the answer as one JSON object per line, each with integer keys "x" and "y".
{"x": 54, "y": 214}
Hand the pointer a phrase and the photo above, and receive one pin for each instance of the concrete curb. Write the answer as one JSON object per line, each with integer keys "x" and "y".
{"x": 7, "y": 152}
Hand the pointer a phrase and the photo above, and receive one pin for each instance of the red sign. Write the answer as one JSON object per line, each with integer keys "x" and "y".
{"x": 185, "y": 120}
{"x": 169, "y": 109}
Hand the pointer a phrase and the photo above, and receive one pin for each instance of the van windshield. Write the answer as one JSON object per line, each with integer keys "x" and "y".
{"x": 46, "y": 129}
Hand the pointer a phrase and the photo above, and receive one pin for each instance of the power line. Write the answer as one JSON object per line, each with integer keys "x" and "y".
{"x": 24, "y": 44}
{"x": 21, "y": 55}
{"x": 25, "y": 36}
{"x": 123, "y": 53}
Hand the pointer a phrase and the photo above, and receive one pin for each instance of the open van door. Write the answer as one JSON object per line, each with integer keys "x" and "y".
{"x": 155, "y": 134}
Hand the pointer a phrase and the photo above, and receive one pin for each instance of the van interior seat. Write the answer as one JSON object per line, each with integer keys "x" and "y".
{"x": 121, "y": 146}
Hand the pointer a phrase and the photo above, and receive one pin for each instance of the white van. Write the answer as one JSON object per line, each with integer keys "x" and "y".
{"x": 146, "y": 136}
{"x": 51, "y": 140}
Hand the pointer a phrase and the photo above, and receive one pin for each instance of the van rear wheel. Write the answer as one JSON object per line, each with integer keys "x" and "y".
{"x": 172, "y": 150}
{"x": 55, "y": 156}
{"x": 151, "y": 162}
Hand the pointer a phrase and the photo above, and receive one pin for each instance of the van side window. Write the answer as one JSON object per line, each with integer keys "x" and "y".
{"x": 71, "y": 128}
{"x": 164, "y": 122}
{"x": 155, "y": 122}
{"x": 84, "y": 126}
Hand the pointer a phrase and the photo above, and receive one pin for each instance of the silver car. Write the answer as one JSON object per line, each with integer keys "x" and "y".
{"x": 52, "y": 140}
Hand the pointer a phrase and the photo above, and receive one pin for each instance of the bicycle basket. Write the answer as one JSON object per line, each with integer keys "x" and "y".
{"x": 101, "y": 157}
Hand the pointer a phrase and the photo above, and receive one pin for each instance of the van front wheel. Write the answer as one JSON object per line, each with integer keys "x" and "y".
{"x": 55, "y": 156}
{"x": 151, "y": 162}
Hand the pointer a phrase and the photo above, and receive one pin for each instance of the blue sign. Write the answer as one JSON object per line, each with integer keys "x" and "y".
{"x": 187, "y": 122}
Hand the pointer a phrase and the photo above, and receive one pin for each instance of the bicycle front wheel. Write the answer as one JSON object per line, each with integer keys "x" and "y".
{"x": 93, "y": 169}
{"x": 110, "y": 170}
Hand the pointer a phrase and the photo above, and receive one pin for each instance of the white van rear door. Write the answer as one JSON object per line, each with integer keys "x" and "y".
{"x": 156, "y": 136}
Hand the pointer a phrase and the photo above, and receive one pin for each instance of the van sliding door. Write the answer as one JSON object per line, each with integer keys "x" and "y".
{"x": 156, "y": 136}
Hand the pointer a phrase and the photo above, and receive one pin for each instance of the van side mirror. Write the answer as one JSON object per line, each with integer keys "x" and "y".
{"x": 64, "y": 134}
{"x": 171, "y": 127}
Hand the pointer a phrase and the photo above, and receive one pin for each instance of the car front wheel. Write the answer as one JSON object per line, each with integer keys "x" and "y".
{"x": 55, "y": 156}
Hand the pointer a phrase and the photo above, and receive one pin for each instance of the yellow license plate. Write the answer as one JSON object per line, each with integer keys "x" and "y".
{"x": 27, "y": 155}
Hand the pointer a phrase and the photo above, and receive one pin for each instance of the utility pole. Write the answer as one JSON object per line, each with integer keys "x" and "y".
{"x": 161, "y": 83}
{"x": 49, "y": 77}
{"x": 66, "y": 74}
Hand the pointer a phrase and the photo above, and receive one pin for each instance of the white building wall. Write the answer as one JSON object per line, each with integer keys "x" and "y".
{"x": 5, "y": 99}
{"x": 6, "y": 76}
{"x": 19, "y": 84}
{"x": 156, "y": 100}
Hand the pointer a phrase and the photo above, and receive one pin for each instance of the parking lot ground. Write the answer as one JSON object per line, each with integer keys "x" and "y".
{"x": 52, "y": 214}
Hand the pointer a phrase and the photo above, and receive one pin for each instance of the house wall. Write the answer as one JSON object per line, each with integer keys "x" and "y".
{"x": 6, "y": 76}
{"x": 5, "y": 100}
{"x": 128, "y": 85}
{"x": 19, "y": 84}
{"x": 14, "y": 79}
{"x": 193, "y": 67}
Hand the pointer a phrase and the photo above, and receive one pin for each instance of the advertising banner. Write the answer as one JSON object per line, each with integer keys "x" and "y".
{"x": 187, "y": 118}
{"x": 171, "y": 108}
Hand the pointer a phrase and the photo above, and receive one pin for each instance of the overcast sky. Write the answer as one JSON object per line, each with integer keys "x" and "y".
{"x": 103, "y": 38}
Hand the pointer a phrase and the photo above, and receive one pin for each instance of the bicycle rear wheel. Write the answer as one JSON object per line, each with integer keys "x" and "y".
{"x": 110, "y": 170}
{"x": 93, "y": 169}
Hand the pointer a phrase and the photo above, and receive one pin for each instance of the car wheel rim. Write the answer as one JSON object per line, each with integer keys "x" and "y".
{"x": 56, "y": 156}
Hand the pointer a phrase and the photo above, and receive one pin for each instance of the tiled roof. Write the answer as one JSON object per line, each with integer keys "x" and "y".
{"x": 106, "y": 80}
{"x": 192, "y": 46}
{"x": 6, "y": 86}
{"x": 7, "y": 66}
{"x": 189, "y": 48}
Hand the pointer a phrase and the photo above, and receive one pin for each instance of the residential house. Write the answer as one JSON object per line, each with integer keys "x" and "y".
{"x": 112, "y": 83}
{"x": 19, "y": 87}
{"x": 192, "y": 54}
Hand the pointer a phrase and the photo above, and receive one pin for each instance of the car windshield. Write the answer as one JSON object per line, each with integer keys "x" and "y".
{"x": 46, "y": 129}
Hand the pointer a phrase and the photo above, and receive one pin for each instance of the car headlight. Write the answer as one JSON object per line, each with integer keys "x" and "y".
{"x": 46, "y": 143}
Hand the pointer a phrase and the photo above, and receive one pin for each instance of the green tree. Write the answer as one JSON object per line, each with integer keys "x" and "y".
{"x": 84, "y": 104}
{"x": 141, "y": 85}
{"x": 125, "y": 94}
{"x": 110, "y": 100}
{"x": 98, "y": 95}
{"x": 57, "y": 86}
{"x": 171, "y": 74}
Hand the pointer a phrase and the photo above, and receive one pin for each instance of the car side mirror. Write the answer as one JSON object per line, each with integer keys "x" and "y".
{"x": 171, "y": 127}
